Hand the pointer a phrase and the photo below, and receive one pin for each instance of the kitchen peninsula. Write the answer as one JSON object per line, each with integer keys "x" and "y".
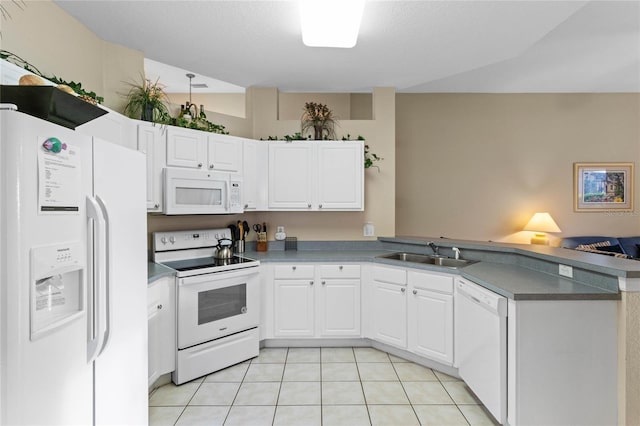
{"x": 552, "y": 320}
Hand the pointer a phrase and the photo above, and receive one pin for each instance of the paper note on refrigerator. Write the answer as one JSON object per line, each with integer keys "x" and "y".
{"x": 58, "y": 177}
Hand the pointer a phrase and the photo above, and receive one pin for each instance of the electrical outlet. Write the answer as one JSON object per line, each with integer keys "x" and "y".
{"x": 565, "y": 271}
{"x": 368, "y": 230}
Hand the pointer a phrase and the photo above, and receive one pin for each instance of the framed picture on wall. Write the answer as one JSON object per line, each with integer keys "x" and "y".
{"x": 603, "y": 187}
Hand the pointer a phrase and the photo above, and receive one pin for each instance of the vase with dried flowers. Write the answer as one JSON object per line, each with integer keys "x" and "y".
{"x": 320, "y": 118}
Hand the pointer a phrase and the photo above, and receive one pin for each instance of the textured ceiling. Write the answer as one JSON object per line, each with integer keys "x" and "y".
{"x": 414, "y": 46}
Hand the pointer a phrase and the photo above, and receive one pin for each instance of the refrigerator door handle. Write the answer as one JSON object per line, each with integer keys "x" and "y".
{"x": 96, "y": 289}
{"x": 106, "y": 300}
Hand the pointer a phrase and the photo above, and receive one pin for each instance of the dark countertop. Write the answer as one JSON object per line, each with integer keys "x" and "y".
{"x": 155, "y": 271}
{"x": 509, "y": 280}
{"x": 500, "y": 267}
{"x": 520, "y": 283}
{"x": 609, "y": 265}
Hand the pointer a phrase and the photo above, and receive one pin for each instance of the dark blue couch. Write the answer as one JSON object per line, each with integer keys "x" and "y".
{"x": 628, "y": 245}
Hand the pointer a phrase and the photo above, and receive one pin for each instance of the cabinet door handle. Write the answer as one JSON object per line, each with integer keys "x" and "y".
{"x": 159, "y": 306}
{"x": 211, "y": 166}
{"x": 199, "y": 165}
{"x": 311, "y": 282}
{"x": 293, "y": 267}
{"x": 341, "y": 267}
{"x": 320, "y": 206}
{"x": 155, "y": 206}
{"x": 415, "y": 291}
{"x": 246, "y": 206}
{"x": 309, "y": 205}
{"x": 403, "y": 289}
{"x": 324, "y": 282}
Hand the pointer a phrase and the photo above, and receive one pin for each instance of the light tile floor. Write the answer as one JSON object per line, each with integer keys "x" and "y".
{"x": 319, "y": 386}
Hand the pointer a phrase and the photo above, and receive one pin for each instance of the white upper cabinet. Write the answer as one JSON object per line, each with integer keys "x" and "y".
{"x": 340, "y": 175}
{"x": 186, "y": 148}
{"x": 112, "y": 127}
{"x": 203, "y": 150}
{"x": 151, "y": 142}
{"x": 224, "y": 153}
{"x": 255, "y": 187}
{"x": 316, "y": 175}
{"x": 290, "y": 176}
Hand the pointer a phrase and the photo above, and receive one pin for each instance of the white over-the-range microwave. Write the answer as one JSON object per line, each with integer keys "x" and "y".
{"x": 201, "y": 192}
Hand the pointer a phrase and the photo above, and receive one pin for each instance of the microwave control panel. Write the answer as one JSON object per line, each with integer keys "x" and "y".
{"x": 235, "y": 196}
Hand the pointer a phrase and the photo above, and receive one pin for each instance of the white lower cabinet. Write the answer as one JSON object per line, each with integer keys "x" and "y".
{"x": 430, "y": 316}
{"x": 338, "y": 306}
{"x": 161, "y": 318}
{"x": 316, "y": 301}
{"x": 294, "y": 307}
{"x": 388, "y": 312}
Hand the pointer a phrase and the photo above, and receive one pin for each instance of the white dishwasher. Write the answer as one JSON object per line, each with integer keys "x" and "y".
{"x": 481, "y": 344}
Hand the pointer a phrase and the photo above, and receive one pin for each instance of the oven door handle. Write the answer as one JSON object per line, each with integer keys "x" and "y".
{"x": 196, "y": 280}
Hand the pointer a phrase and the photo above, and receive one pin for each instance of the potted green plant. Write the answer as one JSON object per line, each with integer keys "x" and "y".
{"x": 320, "y": 118}
{"x": 146, "y": 101}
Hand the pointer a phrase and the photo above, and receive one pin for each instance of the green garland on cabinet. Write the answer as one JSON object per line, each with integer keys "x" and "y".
{"x": 369, "y": 157}
{"x": 91, "y": 97}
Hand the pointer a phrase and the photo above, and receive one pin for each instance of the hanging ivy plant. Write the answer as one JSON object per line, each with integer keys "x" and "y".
{"x": 369, "y": 157}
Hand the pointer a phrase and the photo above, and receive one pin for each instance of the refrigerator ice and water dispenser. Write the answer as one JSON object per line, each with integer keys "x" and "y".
{"x": 56, "y": 286}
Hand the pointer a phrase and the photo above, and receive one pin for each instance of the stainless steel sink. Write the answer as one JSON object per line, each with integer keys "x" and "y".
{"x": 427, "y": 259}
{"x": 450, "y": 263}
{"x": 408, "y": 257}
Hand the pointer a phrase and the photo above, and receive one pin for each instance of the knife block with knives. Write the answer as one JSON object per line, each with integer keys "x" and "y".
{"x": 261, "y": 243}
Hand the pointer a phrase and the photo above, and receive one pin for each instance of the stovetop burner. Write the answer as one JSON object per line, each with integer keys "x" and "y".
{"x": 206, "y": 262}
{"x": 192, "y": 252}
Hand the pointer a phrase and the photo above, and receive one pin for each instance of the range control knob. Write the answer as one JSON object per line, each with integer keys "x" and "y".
{"x": 172, "y": 240}
{"x": 163, "y": 240}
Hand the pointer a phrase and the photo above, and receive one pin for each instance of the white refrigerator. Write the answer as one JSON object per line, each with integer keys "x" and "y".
{"x": 73, "y": 256}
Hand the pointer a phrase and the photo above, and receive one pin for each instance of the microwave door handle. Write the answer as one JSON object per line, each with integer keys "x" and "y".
{"x": 228, "y": 206}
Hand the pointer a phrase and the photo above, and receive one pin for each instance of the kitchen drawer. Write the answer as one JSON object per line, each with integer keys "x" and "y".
{"x": 434, "y": 282}
{"x": 293, "y": 271}
{"x": 340, "y": 271}
{"x": 390, "y": 275}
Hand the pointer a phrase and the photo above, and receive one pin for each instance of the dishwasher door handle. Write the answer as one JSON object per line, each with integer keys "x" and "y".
{"x": 489, "y": 300}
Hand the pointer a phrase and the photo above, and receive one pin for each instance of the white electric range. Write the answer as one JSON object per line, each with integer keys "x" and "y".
{"x": 218, "y": 302}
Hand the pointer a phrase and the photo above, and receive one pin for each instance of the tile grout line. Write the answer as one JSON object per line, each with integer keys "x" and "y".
{"x": 454, "y": 401}
{"x": 239, "y": 387}
{"x": 405, "y": 391}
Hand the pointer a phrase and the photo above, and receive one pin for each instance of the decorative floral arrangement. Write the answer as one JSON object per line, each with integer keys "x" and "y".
{"x": 146, "y": 101}
{"x": 320, "y": 118}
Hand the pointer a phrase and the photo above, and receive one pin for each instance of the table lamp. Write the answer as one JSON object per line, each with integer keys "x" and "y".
{"x": 540, "y": 224}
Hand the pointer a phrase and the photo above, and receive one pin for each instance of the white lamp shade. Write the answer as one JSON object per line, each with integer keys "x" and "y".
{"x": 542, "y": 222}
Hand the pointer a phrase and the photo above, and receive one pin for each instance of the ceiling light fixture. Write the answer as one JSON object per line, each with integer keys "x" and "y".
{"x": 330, "y": 23}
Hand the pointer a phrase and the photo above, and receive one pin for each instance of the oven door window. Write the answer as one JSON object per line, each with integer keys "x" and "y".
{"x": 218, "y": 304}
